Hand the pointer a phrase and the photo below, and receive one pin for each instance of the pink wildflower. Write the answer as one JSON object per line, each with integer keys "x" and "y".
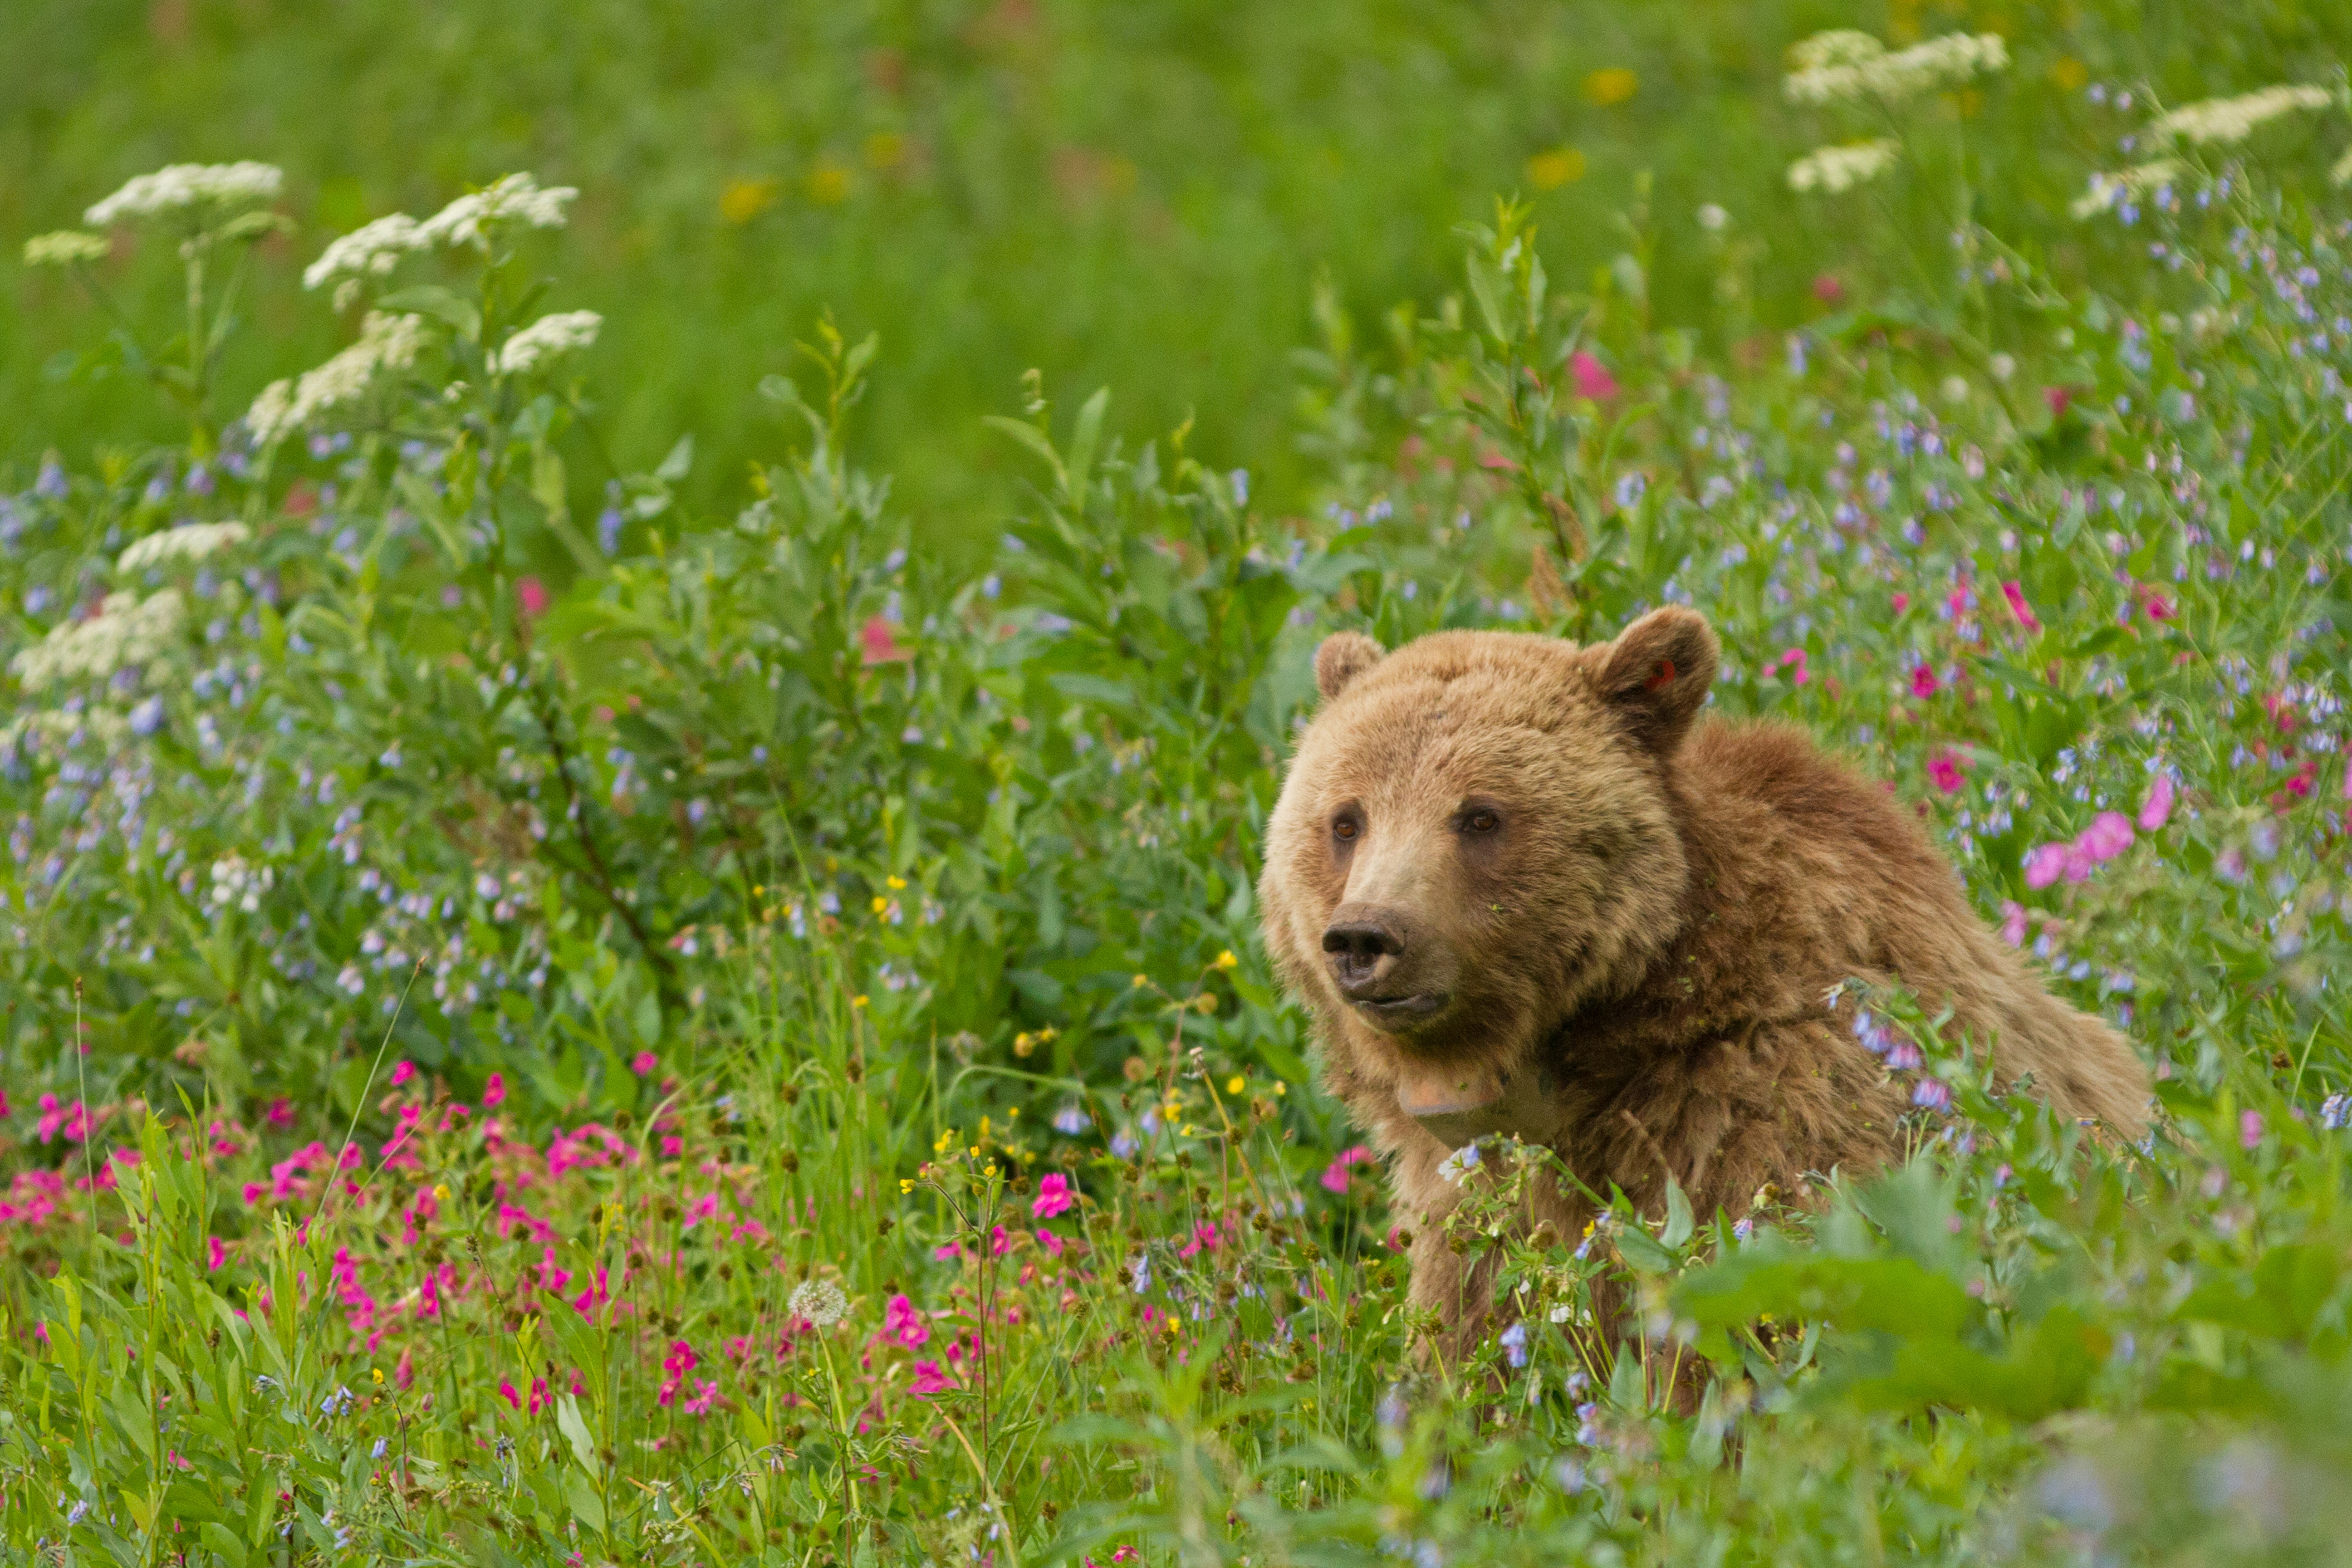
{"x": 1901, "y": 603}
{"x": 2014, "y": 591}
{"x": 2160, "y": 608}
{"x": 2156, "y": 809}
{"x": 700, "y": 1209}
{"x": 1000, "y": 1241}
{"x": 929, "y": 1378}
{"x": 494, "y": 1093}
{"x": 1335, "y": 1175}
{"x": 1947, "y": 770}
{"x": 2079, "y": 864}
{"x": 903, "y": 1322}
{"x": 1053, "y": 1196}
{"x": 880, "y": 646}
{"x": 2109, "y": 835}
{"x": 706, "y": 1395}
{"x": 1049, "y": 1241}
{"x": 1923, "y": 683}
{"x": 280, "y": 1113}
{"x": 215, "y": 1253}
{"x": 2043, "y": 864}
{"x": 2013, "y": 922}
{"x": 2250, "y": 1129}
{"x": 72, "y": 1121}
{"x": 643, "y": 1063}
{"x": 1205, "y": 1239}
{"x": 530, "y": 597}
{"x": 402, "y": 1072}
{"x": 947, "y": 1249}
{"x": 1592, "y": 378}
{"x": 1827, "y": 289}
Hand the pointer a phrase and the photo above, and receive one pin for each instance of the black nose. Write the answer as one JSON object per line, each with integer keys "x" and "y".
{"x": 1364, "y": 941}
{"x": 1359, "y": 947}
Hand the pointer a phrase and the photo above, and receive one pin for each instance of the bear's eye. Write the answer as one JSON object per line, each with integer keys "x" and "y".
{"x": 1345, "y": 830}
{"x": 1482, "y": 822}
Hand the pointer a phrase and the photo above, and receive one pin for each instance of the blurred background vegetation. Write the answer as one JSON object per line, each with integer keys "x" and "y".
{"x": 1140, "y": 195}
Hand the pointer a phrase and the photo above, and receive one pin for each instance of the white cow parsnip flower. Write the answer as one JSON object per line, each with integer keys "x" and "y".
{"x": 387, "y": 342}
{"x": 183, "y": 187}
{"x": 561, "y": 333}
{"x": 1844, "y": 66}
{"x": 515, "y": 198}
{"x": 2224, "y": 120}
{"x": 189, "y": 541}
{"x": 1831, "y": 170}
{"x": 65, "y": 247}
{"x": 127, "y": 630}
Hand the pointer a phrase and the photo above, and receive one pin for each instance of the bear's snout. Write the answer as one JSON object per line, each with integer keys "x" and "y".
{"x": 1381, "y": 968}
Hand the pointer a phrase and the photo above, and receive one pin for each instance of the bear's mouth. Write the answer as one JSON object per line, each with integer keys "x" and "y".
{"x": 1411, "y": 1008}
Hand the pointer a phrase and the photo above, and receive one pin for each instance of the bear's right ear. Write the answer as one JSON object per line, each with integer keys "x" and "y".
{"x": 1343, "y": 657}
{"x": 1657, "y": 672}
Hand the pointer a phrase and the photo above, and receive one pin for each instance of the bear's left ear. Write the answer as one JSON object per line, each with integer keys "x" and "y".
{"x": 1656, "y": 674}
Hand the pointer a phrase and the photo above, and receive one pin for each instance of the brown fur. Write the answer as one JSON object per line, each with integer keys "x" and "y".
{"x": 1628, "y": 960}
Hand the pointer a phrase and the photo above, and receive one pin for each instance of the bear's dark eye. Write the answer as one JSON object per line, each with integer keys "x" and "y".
{"x": 1345, "y": 830}
{"x": 1482, "y": 822}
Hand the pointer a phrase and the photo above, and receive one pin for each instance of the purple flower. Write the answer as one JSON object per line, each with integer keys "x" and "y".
{"x": 1930, "y": 1094}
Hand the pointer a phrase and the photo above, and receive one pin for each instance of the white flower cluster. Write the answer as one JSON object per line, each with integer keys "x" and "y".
{"x": 549, "y": 335}
{"x": 386, "y": 342}
{"x": 2234, "y": 119}
{"x": 189, "y": 541}
{"x": 126, "y": 630}
{"x": 2107, "y": 190}
{"x": 369, "y": 251}
{"x": 65, "y": 247}
{"x": 184, "y": 186}
{"x": 373, "y": 249}
{"x": 517, "y": 198}
{"x": 1835, "y": 169}
{"x": 238, "y": 883}
{"x": 1844, "y": 66}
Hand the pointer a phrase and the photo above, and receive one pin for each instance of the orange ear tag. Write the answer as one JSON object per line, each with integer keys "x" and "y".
{"x": 1666, "y": 676}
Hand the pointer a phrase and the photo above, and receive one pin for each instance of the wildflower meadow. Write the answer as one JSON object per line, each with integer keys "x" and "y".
{"x": 564, "y": 1009}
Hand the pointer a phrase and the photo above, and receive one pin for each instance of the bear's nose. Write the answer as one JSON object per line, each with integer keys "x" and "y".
{"x": 1359, "y": 950}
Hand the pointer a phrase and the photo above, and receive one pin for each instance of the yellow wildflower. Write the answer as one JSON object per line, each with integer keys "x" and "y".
{"x": 1226, "y": 960}
{"x": 858, "y": 1001}
{"x": 1611, "y": 85}
{"x": 744, "y": 200}
{"x": 441, "y": 1191}
{"x": 880, "y": 903}
{"x": 1235, "y": 1084}
{"x": 828, "y": 184}
{"x": 1560, "y": 166}
{"x": 897, "y": 884}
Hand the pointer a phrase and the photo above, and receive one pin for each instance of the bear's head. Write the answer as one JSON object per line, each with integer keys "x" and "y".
{"x": 1475, "y": 838}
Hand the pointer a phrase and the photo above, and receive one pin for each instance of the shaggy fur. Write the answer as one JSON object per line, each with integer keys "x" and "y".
{"x": 1522, "y": 892}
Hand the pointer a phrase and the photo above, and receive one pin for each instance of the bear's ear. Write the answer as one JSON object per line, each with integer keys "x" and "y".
{"x": 1343, "y": 657}
{"x": 1656, "y": 674}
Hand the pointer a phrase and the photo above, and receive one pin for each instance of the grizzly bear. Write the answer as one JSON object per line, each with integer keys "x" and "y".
{"x": 1522, "y": 891}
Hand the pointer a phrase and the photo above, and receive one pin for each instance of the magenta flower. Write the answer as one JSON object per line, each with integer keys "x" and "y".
{"x": 1796, "y": 657}
{"x": 2014, "y": 593}
{"x": 1049, "y": 1241}
{"x": 701, "y": 1209}
{"x": 2079, "y": 864}
{"x": 72, "y": 1121}
{"x": 215, "y": 1253}
{"x": 879, "y": 645}
{"x": 2013, "y": 922}
{"x": 2250, "y": 1130}
{"x": 1923, "y": 683}
{"x": 2109, "y": 835}
{"x": 2043, "y": 864}
{"x": 1946, "y": 772}
{"x": 280, "y": 1113}
{"x": 643, "y": 1063}
{"x": 1053, "y": 1196}
{"x": 530, "y": 597}
{"x": 494, "y": 1093}
{"x": 947, "y": 1249}
{"x": 706, "y": 1395}
{"x": 929, "y": 1378}
{"x": 901, "y": 1321}
{"x": 1335, "y": 1175}
{"x": 1592, "y": 378}
{"x": 1205, "y": 1239}
{"x": 402, "y": 1072}
{"x": 2156, "y": 809}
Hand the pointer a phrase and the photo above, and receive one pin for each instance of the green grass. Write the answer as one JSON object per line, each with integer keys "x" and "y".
{"x": 1137, "y": 196}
